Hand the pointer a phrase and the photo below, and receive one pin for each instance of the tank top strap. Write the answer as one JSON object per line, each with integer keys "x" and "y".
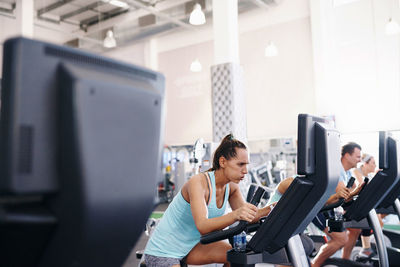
{"x": 227, "y": 191}
{"x": 213, "y": 200}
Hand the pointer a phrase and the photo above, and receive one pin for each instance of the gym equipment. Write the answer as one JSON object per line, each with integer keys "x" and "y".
{"x": 261, "y": 176}
{"x": 199, "y": 150}
{"x": 80, "y": 153}
{"x": 166, "y": 188}
{"x": 361, "y": 212}
{"x": 340, "y": 202}
{"x": 277, "y": 241}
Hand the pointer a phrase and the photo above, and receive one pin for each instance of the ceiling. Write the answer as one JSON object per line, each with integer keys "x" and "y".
{"x": 87, "y": 21}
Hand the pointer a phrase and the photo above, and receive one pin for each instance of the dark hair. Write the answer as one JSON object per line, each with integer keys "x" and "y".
{"x": 349, "y": 148}
{"x": 226, "y": 149}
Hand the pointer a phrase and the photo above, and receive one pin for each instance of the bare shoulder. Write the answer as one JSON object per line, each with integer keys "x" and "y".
{"x": 197, "y": 181}
{"x": 197, "y": 177}
{"x": 284, "y": 185}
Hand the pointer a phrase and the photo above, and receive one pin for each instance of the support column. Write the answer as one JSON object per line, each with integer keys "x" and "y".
{"x": 225, "y": 25}
{"x": 24, "y": 13}
{"x": 228, "y": 96}
{"x": 151, "y": 54}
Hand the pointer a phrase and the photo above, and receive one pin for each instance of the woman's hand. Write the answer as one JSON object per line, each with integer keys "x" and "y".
{"x": 270, "y": 207}
{"x": 247, "y": 212}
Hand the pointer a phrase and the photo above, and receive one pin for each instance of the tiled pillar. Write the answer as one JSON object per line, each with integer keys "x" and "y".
{"x": 228, "y": 96}
{"x": 228, "y": 101}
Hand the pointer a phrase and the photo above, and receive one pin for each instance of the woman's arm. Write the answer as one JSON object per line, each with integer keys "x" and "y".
{"x": 238, "y": 204}
{"x": 284, "y": 185}
{"x": 196, "y": 192}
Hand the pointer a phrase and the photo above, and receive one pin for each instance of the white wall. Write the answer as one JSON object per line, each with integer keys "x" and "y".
{"x": 188, "y": 94}
{"x": 278, "y": 88}
{"x": 133, "y": 54}
{"x": 356, "y": 64}
{"x": 272, "y": 103}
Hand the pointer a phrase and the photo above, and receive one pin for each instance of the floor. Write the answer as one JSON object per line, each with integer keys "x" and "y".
{"x": 132, "y": 261}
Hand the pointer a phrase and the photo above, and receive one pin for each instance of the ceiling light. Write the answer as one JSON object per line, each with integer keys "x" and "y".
{"x": 271, "y": 50}
{"x": 117, "y": 3}
{"x": 392, "y": 27}
{"x": 197, "y": 16}
{"x": 109, "y": 41}
{"x": 196, "y": 66}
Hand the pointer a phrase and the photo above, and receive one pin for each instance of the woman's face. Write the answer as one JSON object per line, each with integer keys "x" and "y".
{"x": 371, "y": 166}
{"x": 236, "y": 168}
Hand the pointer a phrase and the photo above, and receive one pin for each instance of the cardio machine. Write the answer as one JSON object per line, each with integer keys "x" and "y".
{"x": 277, "y": 238}
{"x": 390, "y": 204}
{"x": 361, "y": 212}
{"x": 77, "y": 174}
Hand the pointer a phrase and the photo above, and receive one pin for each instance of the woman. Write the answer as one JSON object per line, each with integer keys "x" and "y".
{"x": 367, "y": 168}
{"x": 199, "y": 208}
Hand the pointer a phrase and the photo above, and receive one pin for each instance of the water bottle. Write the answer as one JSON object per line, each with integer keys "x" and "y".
{"x": 239, "y": 242}
{"x": 338, "y": 213}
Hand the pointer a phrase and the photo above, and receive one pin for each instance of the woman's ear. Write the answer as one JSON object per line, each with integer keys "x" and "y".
{"x": 222, "y": 162}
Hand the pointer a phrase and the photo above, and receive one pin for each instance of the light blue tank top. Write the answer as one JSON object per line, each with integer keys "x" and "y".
{"x": 275, "y": 197}
{"x": 176, "y": 234}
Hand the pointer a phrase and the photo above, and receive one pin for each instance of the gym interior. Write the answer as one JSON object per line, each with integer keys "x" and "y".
{"x": 111, "y": 109}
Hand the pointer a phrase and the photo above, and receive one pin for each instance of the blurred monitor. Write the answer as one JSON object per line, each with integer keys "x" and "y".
{"x": 80, "y": 153}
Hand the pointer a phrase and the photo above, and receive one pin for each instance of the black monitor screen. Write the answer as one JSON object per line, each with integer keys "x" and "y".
{"x": 388, "y": 162}
{"x": 305, "y": 143}
{"x": 383, "y": 188}
{"x": 80, "y": 154}
{"x": 383, "y": 150}
{"x": 307, "y": 194}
